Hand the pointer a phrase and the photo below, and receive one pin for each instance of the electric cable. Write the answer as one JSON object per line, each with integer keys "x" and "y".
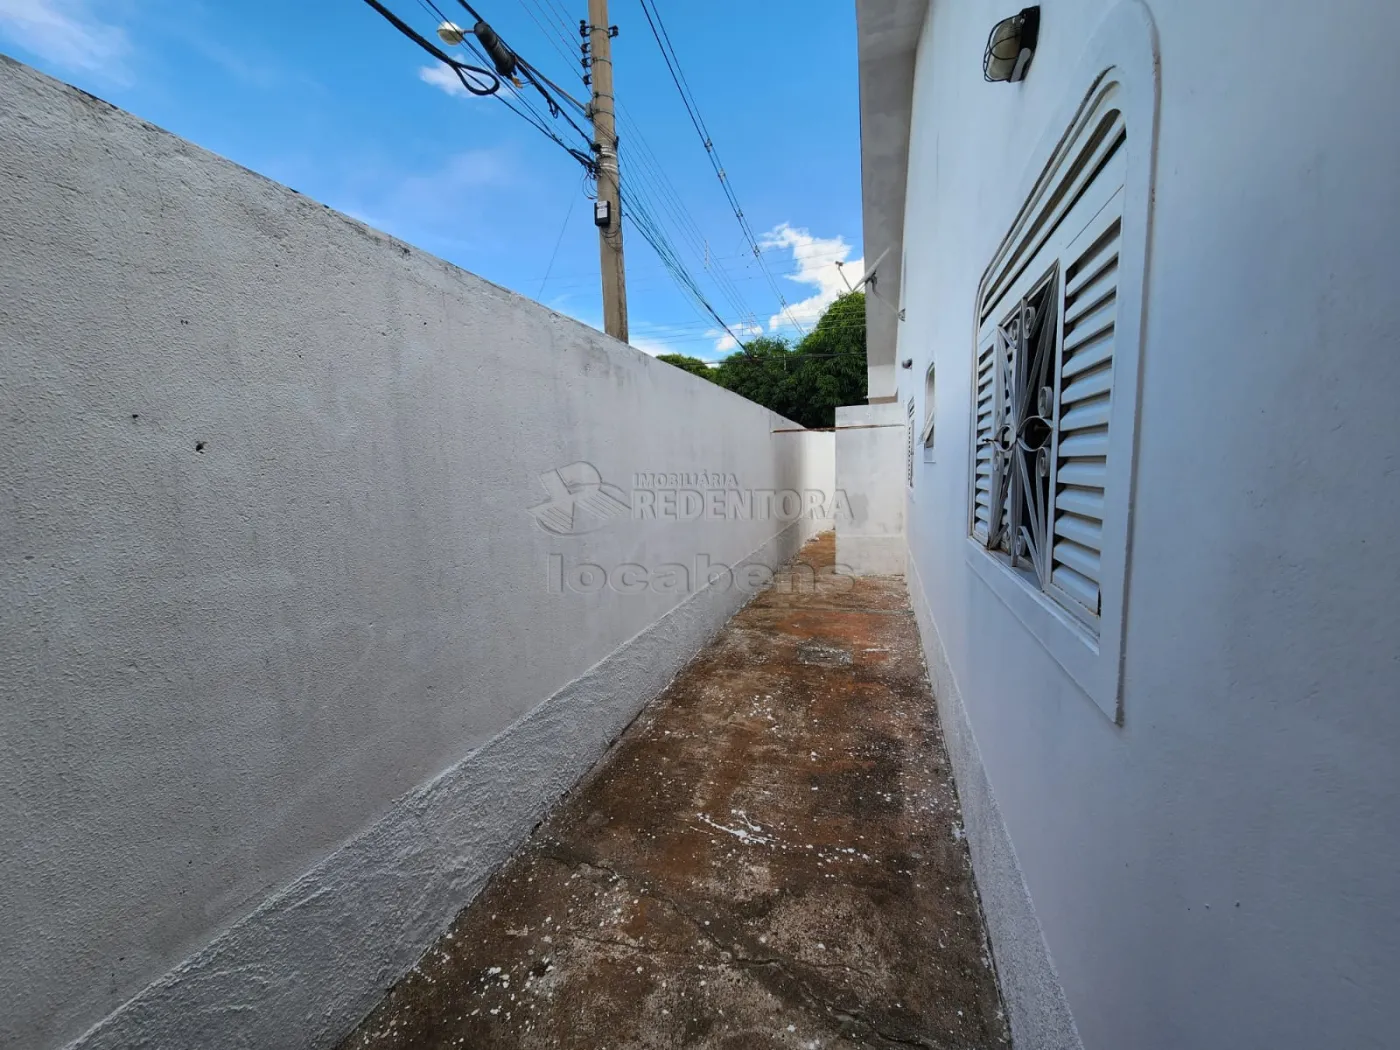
{"x": 465, "y": 71}
{"x": 557, "y": 242}
{"x": 639, "y": 208}
{"x": 643, "y": 221}
{"x": 673, "y": 66}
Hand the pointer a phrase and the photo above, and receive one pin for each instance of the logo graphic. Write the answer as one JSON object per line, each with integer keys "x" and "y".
{"x": 579, "y": 501}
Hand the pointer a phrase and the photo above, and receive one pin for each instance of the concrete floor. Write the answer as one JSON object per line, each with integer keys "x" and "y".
{"x": 771, "y": 856}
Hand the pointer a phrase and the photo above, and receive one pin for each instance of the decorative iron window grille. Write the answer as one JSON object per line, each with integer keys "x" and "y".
{"x": 1043, "y": 391}
{"x": 1021, "y": 506}
{"x": 909, "y": 444}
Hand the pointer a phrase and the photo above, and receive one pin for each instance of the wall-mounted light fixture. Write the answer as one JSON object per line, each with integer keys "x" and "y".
{"x": 1011, "y": 46}
{"x": 451, "y": 33}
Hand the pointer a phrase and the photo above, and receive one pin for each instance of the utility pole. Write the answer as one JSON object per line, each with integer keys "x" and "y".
{"x": 607, "y": 209}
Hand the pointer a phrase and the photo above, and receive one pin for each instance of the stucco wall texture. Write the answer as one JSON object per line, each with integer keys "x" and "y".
{"x": 1219, "y": 869}
{"x": 284, "y": 668}
{"x": 870, "y": 469}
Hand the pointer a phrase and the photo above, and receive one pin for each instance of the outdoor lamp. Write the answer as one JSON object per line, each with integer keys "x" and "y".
{"x": 451, "y": 34}
{"x": 1011, "y": 46}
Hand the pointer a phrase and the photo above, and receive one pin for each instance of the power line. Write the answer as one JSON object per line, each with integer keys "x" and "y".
{"x": 651, "y": 190}
{"x": 698, "y": 332}
{"x": 561, "y": 15}
{"x": 829, "y": 328}
{"x": 714, "y": 258}
{"x": 558, "y": 241}
{"x": 469, "y": 75}
{"x": 643, "y": 162}
{"x": 551, "y": 32}
{"x": 586, "y": 278}
{"x": 522, "y": 107}
{"x": 644, "y": 183}
{"x": 641, "y": 207}
{"x": 466, "y": 73}
{"x": 641, "y": 218}
{"x": 663, "y": 41}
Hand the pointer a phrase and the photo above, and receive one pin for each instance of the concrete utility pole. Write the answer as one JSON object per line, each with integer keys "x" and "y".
{"x": 607, "y": 210}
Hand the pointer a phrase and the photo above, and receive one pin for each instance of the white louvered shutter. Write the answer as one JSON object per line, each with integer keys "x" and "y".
{"x": 1072, "y": 224}
{"x": 992, "y": 494}
{"x": 983, "y": 458}
{"x": 909, "y": 444}
{"x": 1085, "y": 398}
{"x": 1054, "y": 398}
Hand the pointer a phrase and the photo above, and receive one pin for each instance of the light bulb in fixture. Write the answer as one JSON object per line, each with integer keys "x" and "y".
{"x": 1011, "y": 46}
{"x": 451, "y": 34}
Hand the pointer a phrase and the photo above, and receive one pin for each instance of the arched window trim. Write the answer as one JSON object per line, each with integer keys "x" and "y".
{"x": 1082, "y": 626}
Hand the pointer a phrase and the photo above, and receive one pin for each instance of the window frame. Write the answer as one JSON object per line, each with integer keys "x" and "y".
{"x": 928, "y": 432}
{"x": 1010, "y": 312}
{"x": 909, "y": 445}
{"x": 1121, "y": 62}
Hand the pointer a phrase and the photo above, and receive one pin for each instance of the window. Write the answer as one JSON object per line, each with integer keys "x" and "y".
{"x": 1045, "y": 379}
{"x": 1055, "y": 370}
{"x": 909, "y": 447}
{"x": 929, "y": 390}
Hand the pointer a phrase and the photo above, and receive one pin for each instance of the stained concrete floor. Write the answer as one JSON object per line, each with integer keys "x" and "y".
{"x": 770, "y": 857}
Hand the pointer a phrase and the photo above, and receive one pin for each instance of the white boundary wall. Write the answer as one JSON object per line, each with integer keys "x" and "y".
{"x": 284, "y": 673}
{"x": 870, "y": 470}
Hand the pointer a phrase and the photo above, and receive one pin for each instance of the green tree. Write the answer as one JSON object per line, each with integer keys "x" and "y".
{"x": 759, "y": 372}
{"x": 690, "y": 364}
{"x": 830, "y": 364}
{"x": 807, "y": 382}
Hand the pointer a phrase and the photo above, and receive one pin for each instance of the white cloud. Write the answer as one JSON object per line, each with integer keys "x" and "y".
{"x": 815, "y": 259}
{"x": 657, "y": 339}
{"x": 440, "y": 76}
{"x": 66, "y": 33}
{"x": 724, "y": 342}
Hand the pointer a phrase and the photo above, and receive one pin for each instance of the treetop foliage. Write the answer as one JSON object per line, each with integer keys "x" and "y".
{"x": 805, "y": 382}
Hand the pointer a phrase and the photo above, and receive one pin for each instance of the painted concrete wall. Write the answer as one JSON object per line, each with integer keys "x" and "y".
{"x": 870, "y": 450}
{"x": 287, "y": 663}
{"x": 818, "y": 457}
{"x": 880, "y": 379}
{"x": 886, "y": 37}
{"x": 1219, "y": 870}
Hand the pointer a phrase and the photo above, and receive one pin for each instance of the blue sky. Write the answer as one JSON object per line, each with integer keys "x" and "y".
{"x": 325, "y": 96}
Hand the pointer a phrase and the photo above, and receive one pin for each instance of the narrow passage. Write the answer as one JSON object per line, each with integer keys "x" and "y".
{"x": 771, "y": 856}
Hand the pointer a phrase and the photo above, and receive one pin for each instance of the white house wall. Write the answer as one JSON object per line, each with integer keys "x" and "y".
{"x": 1219, "y": 869}
{"x": 870, "y": 450}
{"x": 286, "y": 665}
{"x": 886, "y": 40}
